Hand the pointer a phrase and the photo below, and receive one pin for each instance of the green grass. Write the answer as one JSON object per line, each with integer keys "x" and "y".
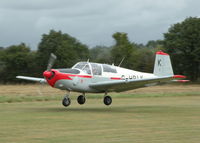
{"x": 139, "y": 120}
{"x": 30, "y": 98}
{"x": 23, "y": 98}
{"x": 136, "y": 95}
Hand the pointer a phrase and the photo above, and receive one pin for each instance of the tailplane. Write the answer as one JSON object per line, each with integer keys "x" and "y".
{"x": 163, "y": 66}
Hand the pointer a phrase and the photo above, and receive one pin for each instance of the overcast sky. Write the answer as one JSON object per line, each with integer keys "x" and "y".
{"x": 91, "y": 21}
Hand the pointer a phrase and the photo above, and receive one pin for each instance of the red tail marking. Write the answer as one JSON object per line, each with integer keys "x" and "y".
{"x": 179, "y": 76}
{"x": 161, "y": 53}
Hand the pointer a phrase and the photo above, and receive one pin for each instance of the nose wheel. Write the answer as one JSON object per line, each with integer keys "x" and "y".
{"x": 81, "y": 99}
{"x": 66, "y": 101}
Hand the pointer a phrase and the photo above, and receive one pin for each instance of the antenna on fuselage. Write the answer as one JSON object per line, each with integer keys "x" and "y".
{"x": 121, "y": 62}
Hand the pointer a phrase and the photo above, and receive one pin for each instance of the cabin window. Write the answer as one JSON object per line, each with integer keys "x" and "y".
{"x": 96, "y": 69}
{"x": 109, "y": 68}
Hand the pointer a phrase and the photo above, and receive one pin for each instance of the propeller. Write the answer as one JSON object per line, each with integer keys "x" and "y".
{"x": 51, "y": 61}
{"x": 48, "y": 73}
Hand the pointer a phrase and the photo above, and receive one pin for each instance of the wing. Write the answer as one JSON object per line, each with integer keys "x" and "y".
{"x": 123, "y": 85}
{"x": 41, "y": 80}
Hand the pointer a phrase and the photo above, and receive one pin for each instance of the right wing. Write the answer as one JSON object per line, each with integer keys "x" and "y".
{"x": 123, "y": 85}
{"x": 41, "y": 80}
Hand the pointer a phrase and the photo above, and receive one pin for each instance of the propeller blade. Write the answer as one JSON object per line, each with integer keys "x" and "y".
{"x": 51, "y": 61}
{"x": 40, "y": 88}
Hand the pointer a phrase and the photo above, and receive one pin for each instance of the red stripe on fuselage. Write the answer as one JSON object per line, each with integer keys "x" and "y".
{"x": 115, "y": 78}
{"x": 83, "y": 76}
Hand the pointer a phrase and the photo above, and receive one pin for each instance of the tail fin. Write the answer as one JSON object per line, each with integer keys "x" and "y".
{"x": 162, "y": 66}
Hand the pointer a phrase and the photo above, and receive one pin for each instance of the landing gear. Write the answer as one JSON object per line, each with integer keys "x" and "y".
{"x": 107, "y": 100}
{"x": 81, "y": 99}
{"x": 66, "y": 101}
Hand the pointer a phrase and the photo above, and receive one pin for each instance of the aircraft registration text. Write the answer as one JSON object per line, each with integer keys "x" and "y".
{"x": 131, "y": 77}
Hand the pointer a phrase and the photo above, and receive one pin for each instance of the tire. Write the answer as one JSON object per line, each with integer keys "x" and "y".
{"x": 107, "y": 100}
{"x": 81, "y": 99}
{"x": 66, "y": 101}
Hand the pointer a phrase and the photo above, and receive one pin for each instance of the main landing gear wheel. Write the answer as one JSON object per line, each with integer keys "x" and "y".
{"x": 107, "y": 100}
{"x": 81, "y": 99}
{"x": 66, "y": 101}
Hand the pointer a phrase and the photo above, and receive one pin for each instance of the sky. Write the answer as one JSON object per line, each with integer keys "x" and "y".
{"x": 92, "y": 22}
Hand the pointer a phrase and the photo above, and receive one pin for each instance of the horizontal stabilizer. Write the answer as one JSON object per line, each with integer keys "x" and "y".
{"x": 181, "y": 81}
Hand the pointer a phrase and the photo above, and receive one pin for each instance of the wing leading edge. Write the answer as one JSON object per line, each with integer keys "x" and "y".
{"x": 41, "y": 80}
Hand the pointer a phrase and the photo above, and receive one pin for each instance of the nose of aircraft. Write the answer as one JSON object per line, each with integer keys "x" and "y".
{"x": 47, "y": 74}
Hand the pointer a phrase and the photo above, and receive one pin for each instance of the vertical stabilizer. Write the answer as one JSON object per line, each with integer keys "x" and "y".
{"x": 162, "y": 66}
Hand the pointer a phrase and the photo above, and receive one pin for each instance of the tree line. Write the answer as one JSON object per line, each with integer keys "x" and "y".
{"x": 182, "y": 42}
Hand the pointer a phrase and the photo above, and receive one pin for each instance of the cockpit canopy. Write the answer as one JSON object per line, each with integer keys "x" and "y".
{"x": 94, "y": 68}
{"x": 84, "y": 66}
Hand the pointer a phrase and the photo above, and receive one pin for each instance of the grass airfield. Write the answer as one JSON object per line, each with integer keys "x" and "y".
{"x": 145, "y": 119}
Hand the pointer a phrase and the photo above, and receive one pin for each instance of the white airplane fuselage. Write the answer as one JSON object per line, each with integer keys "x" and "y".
{"x": 81, "y": 82}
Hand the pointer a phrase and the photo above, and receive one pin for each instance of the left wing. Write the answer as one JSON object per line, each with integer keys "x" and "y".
{"x": 123, "y": 85}
{"x": 41, "y": 80}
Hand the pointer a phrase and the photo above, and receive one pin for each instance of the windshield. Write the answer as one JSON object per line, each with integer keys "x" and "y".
{"x": 84, "y": 66}
{"x": 80, "y": 65}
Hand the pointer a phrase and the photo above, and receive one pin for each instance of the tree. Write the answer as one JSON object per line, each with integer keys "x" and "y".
{"x": 182, "y": 41}
{"x": 145, "y": 60}
{"x": 100, "y": 54}
{"x": 154, "y": 44}
{"x": 16, "y": 60}
{"x": 123, "y": 48}
{"x": 68, "y": 50}
{"x": 2, "y": 64}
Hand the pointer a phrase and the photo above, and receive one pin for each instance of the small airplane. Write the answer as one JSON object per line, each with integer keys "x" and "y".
{"x": 88, "y": 77}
